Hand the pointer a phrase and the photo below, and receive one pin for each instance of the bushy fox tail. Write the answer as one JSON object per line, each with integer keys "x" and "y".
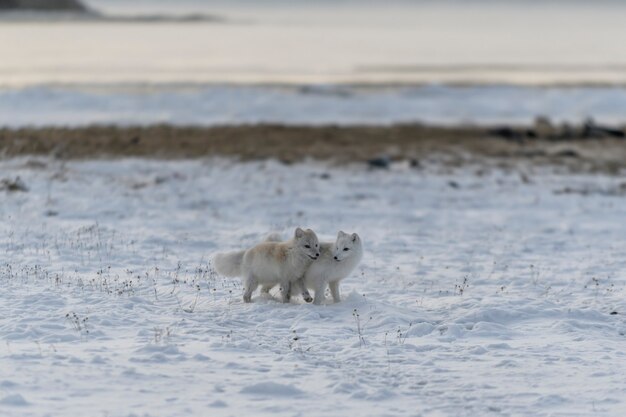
{"x": 229, "y": 263}
{"x": 273, "y": 237}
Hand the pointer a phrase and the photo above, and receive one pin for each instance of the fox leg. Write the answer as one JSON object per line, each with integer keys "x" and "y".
{"x": 285, "y": 288}
{"x": 250, "y": 283}
{"x": 320, "y": 288}
{"x": 334, "y": 290}
{"x": 299, "y": 286}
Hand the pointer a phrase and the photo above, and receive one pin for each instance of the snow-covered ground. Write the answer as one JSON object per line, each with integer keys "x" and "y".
{"x": 478, "y": 294}
{"x": 312, "y": 104}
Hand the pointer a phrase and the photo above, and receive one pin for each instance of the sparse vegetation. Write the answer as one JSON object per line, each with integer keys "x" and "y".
{"x": 79, "y": 324}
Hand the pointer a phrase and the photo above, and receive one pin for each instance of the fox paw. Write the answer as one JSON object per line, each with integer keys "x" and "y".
{"x": 308, "y": 298}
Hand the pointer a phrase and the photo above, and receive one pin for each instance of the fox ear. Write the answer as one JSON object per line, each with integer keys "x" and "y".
{"x": 354, "y": 237}
{"x": 341, "y": 233}
{"x": 299, "y": 232}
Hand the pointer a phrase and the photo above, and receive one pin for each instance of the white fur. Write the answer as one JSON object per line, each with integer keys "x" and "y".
{"x": 229, "y": 264}
{"x": 334, "y": 264}
{"x": 271, "y": 263}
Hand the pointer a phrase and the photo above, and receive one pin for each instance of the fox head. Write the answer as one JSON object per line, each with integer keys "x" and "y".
{"x": 346, "y": 245}
{"x": 306, "y": 241}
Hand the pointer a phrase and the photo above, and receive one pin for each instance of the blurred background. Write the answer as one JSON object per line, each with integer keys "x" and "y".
{"x": 206, "y": 62}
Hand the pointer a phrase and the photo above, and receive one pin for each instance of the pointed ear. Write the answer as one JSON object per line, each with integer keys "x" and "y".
{"x": 341, "y": 234}
{"x": 299, "y": 232}
{"x": 354, "y": 237}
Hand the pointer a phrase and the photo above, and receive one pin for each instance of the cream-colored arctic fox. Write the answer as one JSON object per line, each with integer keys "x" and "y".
{"x": 337, "y": 260}
{"x": 271, "y": 263}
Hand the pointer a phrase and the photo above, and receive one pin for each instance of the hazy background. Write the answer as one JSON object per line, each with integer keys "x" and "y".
{"x": 565, "y": 59}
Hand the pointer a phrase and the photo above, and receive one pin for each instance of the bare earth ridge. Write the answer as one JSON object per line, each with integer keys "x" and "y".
{"x": 586, "y": 148}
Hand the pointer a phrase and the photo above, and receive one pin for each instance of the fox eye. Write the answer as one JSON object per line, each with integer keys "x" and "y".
{"x": 307, "y": 246}
{"x": 346, "y": 249}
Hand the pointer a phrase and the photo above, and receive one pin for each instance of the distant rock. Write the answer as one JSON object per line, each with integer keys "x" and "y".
{"x": 13, "y": 185}
{"x": 380, "y": 162}
{"x": 75, "y": 10}
{"x": 593, "y": 130}
{"x": 544, "y": 127}
{"x": 43, "y": 5}
{"x": 567, "y": 153}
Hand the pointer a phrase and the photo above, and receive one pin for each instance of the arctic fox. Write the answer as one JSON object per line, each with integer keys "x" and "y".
{"x": 271, "y": 263}
{"x": 337, "y": 260}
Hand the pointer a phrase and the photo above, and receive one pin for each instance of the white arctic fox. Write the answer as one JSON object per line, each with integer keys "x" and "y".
{"x": 271, "y": 263}
{"x": 337, "y": 260}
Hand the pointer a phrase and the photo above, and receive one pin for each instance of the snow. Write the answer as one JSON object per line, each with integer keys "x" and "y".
{"x": 491, "y": 297}
{"x": 312, "y": 104}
